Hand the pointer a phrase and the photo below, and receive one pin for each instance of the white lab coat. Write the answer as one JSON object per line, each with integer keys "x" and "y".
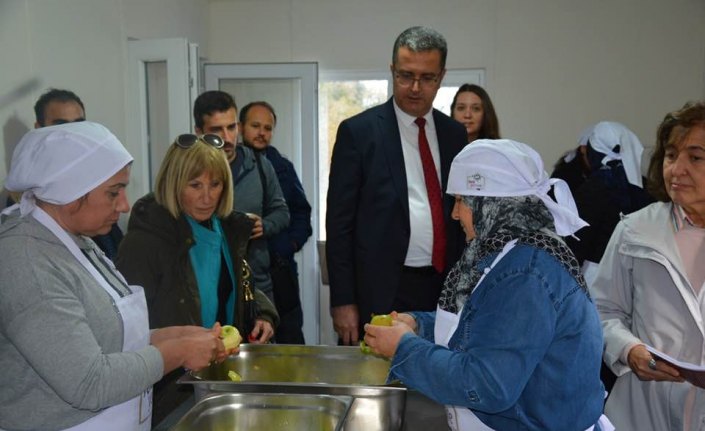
{"x": 643, "y": 296}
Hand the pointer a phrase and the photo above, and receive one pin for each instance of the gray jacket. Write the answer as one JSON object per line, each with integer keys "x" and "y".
{"x": 248, "y": 190}
{"x": 60, "y": 336}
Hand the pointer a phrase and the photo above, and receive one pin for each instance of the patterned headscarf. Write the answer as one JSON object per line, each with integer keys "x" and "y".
{"x": 503, "y": 184}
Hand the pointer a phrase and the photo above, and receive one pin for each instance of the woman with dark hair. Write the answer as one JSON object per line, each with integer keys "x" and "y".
{"x": 473, "y": 107}
{"x": 649, "y": 287}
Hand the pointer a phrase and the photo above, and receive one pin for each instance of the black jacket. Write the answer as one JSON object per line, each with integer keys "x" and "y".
{"x": 155, "y": 255}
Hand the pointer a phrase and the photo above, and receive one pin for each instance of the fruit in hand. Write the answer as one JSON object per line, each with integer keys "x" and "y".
{"x": 230, "y": 336}
{"x": 381, "y": 320}
{"x": 234, "y": 377}
{"x": 364, "y": 348}
{"x": 378, "y": 320}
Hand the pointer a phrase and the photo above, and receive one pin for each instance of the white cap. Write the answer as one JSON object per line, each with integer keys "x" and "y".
{"x": 606, "y": 135}
{"x": 59, "y": 164}
{"x": 502, "y": 167}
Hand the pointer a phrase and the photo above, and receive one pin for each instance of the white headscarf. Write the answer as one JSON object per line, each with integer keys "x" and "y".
{"x": 59, "y": 164}
{"x": 502, "y": 167}
{"x": 605, "y": 136}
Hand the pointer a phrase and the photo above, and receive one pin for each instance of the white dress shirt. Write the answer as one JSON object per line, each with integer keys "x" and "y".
{"x": 421, "y": 240}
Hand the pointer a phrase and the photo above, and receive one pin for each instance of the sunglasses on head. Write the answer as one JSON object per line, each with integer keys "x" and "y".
{"x": 187, "y": 140}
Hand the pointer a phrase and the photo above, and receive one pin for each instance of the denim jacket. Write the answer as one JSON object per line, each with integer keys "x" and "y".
{"x": 526, "y": 354}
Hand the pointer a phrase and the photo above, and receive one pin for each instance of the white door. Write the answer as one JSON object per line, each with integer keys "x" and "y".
{"x": 292, "y": 89}
{"x": 162, "y": 83}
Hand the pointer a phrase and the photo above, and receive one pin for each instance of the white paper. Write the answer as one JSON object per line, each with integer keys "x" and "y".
{"x": 693, "y": 373}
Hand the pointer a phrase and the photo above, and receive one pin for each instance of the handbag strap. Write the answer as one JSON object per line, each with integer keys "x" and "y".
{"x": 246, "y": 283}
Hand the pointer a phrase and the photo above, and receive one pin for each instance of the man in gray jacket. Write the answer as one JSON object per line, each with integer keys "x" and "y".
{"x": 256, "y": 187}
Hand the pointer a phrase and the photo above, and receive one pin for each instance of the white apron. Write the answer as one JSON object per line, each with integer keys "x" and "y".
{"x": 462, "y": 418}
{"x": 134, "y": 414}
{"x": 459, "y": 417}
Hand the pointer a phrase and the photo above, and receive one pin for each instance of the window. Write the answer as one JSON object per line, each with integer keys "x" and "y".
{"x": 343, "y": 94}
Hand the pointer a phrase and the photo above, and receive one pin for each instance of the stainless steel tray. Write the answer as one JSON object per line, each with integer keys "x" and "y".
{"x": 321, "y": 370}
{"x": 266, "y": 412}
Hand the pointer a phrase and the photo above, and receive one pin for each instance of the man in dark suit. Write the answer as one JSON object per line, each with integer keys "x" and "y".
{"x": 390, "y": 238}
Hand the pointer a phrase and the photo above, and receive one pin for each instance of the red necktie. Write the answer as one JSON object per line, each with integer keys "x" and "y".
{"x": 433, "y": 188}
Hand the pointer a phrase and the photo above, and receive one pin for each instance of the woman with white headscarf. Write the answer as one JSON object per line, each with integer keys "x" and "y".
{"x": 515, "y": 342}
{"x": 612, "y": 187}
{"x": 75, "y": 346}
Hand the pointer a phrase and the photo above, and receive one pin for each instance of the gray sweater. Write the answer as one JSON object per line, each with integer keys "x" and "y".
{"x": 60, "y": 336}
{"x": 248, "y": 196}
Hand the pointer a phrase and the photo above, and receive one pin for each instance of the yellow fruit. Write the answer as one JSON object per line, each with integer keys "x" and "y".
{"x": 364, "y": 348}
{"x": 230, "y": 336}
{"x": 234, "y": 377}
{"x": 378, "y": 320}
{"x": 381, "y": 320}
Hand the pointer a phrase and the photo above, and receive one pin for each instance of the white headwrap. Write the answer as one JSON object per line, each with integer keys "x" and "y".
{"x": 605, "y": 136}
{"x": 59, "y": 164}
{"x": 502, "y": 167}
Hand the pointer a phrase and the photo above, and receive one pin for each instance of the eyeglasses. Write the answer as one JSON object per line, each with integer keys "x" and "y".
{"x": 407, "y": 79}
{"x": 187, "y": 140}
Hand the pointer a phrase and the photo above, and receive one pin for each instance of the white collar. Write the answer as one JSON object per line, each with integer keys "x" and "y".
{"x": 407, "y": 120}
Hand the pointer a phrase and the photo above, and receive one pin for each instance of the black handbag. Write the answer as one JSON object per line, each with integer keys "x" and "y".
{"x": 251, "y": 307}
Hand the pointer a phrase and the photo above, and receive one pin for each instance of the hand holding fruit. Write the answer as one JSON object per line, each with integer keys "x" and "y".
{"x": 200, "y": 349}
{"x": 382, "y": 335}
{"x": 405, "y": 318}
{"x": 377, "y": 320}
{"x": 228, "y": 341}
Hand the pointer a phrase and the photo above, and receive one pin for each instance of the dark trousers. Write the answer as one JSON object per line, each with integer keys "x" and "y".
{"x": 285, "y": 284}
{"x": 419, "y": 289}
{"x": 289, "y": 329}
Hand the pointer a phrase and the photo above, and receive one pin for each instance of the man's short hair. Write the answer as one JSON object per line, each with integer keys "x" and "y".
{"x": 265, "y": 105}
{"x": 421, "y": 39}
{"x": 54, "y": 95}
{"x": 210, "y": 102}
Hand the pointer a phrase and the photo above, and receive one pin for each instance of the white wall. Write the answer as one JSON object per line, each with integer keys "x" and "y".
{"x": 553, "y": 67}
{"x": 57, "y": 44}
{"x": 79, "y": 45}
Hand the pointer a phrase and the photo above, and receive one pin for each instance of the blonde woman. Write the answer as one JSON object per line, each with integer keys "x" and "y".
{"x": 186, "y": 246}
